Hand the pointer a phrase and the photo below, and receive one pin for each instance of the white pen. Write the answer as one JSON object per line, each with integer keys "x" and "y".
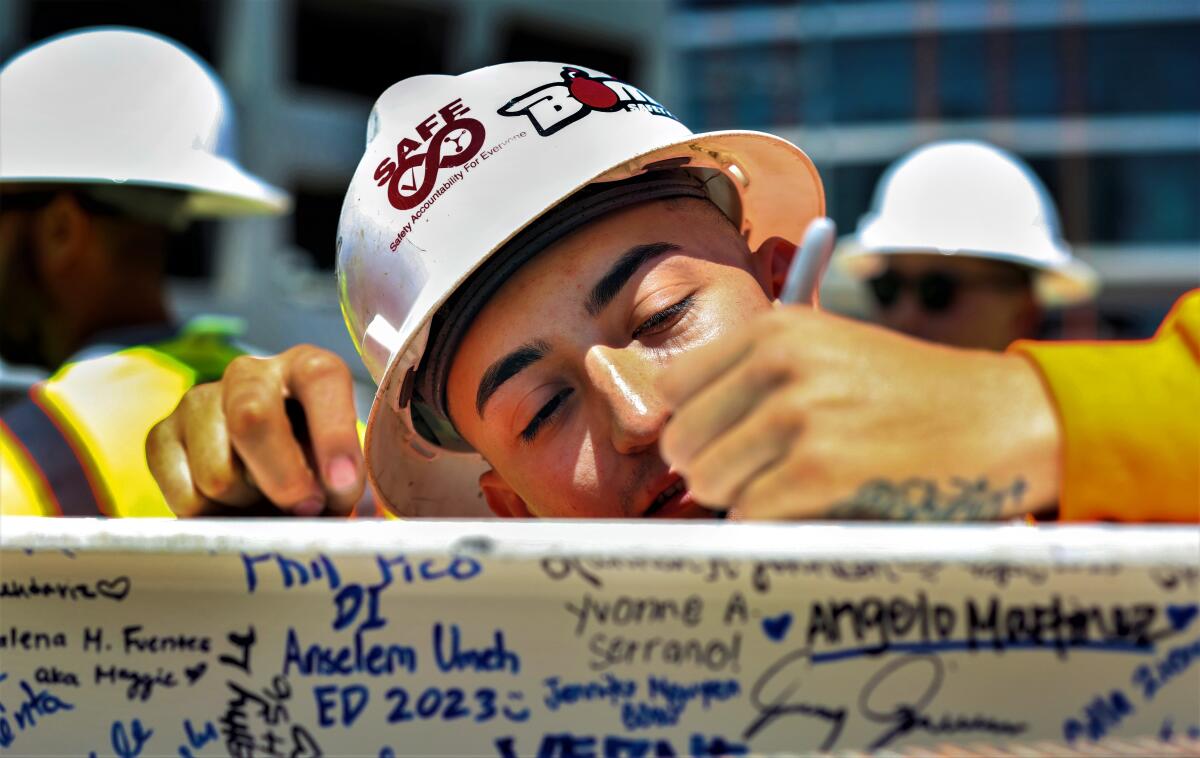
{"x": 803, "y": 283}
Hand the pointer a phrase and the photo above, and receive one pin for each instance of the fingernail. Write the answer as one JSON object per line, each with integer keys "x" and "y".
{"x": 309, "y": 508}
{"x": 342, "y": 473}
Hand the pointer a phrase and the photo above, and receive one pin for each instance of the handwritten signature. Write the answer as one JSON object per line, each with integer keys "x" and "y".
{"x": 887, "y": 699}
{"x": 905, "y": 717}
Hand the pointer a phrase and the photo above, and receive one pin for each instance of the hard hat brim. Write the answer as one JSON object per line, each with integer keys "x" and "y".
{"x": 780, "y": 192}
{"x": 215, "y": 187}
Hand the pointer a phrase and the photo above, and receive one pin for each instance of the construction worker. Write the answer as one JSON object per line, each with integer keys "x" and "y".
{"x": 110, "y": 141}
{"x": 962, "y": 247}
{"x": 549, "y": 276}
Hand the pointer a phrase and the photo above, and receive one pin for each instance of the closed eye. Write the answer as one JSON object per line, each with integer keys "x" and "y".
{"x": 545, "y": 414}
{"x": 664, "y": 318}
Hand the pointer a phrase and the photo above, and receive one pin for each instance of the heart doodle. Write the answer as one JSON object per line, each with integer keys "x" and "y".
{"x": 116, "y": 589}
{"x": 776, "y": 628}
{"x": 1182, "y": 615}
{"x": 195, "y": 672}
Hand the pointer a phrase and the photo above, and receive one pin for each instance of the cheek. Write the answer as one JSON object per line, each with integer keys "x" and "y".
{"x": 561, "y": 480}
{"x": 732, "y": 306}
{"x": 976, "y": 308}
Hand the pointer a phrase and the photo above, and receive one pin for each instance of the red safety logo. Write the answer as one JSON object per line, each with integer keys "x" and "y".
{"x": 413, "y": 173}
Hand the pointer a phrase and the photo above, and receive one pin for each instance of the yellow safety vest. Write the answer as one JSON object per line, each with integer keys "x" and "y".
{"x": 77, "y": 446}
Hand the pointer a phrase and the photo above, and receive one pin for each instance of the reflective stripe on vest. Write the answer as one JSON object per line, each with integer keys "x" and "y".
{"x": 78, "y": 447}
{"x": 24, "y": 490}
{"x": 34, "y": 453}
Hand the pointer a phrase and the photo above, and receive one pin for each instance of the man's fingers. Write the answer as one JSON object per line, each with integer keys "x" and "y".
{"x": 216, "y": 473}
{"x": 261, "y": 433}
{"x": 777, "y": 494}
{"x": 715, "y": 409}
{"x": 321, "y": 382}
{"x": 696, "y": 369}
{"x": 724, "y": 469}
{"x": 168, "y": 462}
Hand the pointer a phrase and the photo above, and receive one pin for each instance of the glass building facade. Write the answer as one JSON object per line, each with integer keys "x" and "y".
{"x": 1101, "y": 98}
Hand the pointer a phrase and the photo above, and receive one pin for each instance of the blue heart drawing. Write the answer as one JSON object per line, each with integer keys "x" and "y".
{"x": 776, "y": 628}
{"x": 1182, "y": 615}
{"x": 195, "y": 672}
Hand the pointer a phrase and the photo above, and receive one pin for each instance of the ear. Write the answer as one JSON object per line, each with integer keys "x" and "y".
{"x": 771, "y": 261}
{"x": 501, "y": 497}
{"x": 62, "y": 236}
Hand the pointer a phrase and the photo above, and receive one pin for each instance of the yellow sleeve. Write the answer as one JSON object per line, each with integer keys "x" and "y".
{"x": 1130, "y": 418}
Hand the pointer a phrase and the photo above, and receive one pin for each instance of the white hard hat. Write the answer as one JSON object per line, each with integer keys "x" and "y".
{"x": 456, "y": 166}
{"x": 969, "y": 198}
{"x": 116, "y": 106}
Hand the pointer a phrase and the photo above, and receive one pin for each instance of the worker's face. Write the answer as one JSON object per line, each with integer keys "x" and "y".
{"x": 963, "y": 302}
{"x": 554, "y": 383}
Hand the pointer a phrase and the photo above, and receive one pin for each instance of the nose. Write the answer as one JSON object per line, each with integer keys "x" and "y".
{"x": 624, "y": 382}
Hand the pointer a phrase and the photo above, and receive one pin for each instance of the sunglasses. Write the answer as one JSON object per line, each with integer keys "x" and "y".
{"x": 936, "y": 291}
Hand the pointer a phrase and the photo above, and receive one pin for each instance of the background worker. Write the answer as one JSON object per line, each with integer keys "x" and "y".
{"x": 113, "y": 140}
{"x": 962, "y": 247}
{"x": 622, "y": 353}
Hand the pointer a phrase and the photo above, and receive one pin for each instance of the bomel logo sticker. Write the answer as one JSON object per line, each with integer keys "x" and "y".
{"x": 556, "y": 105}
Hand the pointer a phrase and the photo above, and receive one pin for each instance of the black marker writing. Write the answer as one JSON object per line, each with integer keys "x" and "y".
{"x": 772, "y": 696}
{"x": 905, "y": 716}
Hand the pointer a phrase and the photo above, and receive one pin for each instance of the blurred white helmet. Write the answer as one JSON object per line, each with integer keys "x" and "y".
{"x": 968, "y": 198}
{"x": 122, "y": 107}
{"x": 457, "y": 166}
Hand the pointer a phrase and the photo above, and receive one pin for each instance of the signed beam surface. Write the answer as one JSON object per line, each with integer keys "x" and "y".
{"x": 163, "y": 638}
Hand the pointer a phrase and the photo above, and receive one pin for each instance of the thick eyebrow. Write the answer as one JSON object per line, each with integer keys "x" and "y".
{"x": 506, "y": 368}
{"x": 622, "y": 271}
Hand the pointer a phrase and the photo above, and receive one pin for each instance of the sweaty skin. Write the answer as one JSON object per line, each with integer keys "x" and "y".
{"x": 808, "y": 415}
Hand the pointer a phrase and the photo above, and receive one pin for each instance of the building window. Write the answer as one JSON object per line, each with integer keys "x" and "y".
{"x": 1146, "y": 198}
{"x": 315, "y": 221}
{"x": 192, "y": 23}
{"x": 363, "y": 48}
{"x": 744, "y": 88}
{"x": 1143, "y": 69}
{"x": 849, "y": 191}
{"x": 702, "y": 5}
{"x": 874, "y": 79}
{"x": 528, "y": 41}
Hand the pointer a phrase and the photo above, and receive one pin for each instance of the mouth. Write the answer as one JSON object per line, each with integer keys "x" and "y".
{"x": 675, "y": 501}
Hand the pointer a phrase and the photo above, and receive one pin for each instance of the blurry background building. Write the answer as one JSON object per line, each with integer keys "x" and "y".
{"x": 1102, "y": 97}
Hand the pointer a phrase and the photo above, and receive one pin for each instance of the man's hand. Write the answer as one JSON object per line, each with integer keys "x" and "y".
{"x": 807, "y": 415}
{"x": 281, "y": 428}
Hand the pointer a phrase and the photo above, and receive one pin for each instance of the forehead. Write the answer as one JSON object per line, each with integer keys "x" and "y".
{"x": 571, "y": 266}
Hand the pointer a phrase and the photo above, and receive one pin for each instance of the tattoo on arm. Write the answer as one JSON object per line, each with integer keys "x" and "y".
{"x": 920, "y": 499}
